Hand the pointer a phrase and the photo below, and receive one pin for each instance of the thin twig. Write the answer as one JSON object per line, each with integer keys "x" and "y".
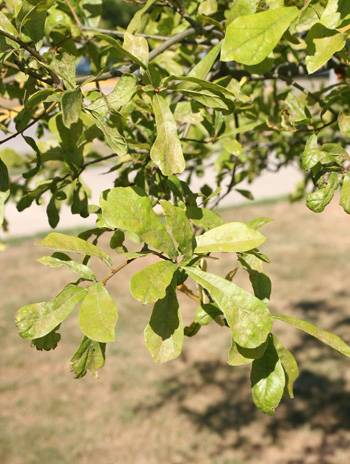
{"x": 35, "y": 120}
{"x": 117, "y": 269}
{"x": 33, "y": 52}
{"x": 72, "y": 9}
{"x": 21, "y": 68}
{"x": 182, "y": 288}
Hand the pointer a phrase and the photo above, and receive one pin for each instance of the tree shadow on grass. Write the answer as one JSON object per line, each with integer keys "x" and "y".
{"x": 217, "y": 398}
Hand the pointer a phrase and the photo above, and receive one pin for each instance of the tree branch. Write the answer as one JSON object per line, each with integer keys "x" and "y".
{"x": 21, "y": 68}
{"x": 33, "y": 52}
{"x": 35, "y": 120}
{"x": 154, "y": 53}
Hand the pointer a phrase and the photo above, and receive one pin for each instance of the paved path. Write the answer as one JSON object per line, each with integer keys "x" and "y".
{"x": 34, "y": 219}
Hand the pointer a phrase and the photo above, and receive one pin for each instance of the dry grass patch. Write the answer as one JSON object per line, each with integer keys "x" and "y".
{"x": 196, "y": 409}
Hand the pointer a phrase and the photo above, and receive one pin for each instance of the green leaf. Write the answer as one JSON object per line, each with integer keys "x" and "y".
{"x": 60, "y": 259}
{"x": 31, "y": 142}
{"x": 7, "y": 26}
{"x": 123, "y": 92}
{"x": 115, "y": 44}
{"x": 248, "y": 317}
{"x": 205, "y": 92}
{"x": 203, "y": 217}
{"x": 202, "y": 68}
{"x": 39, "y": 319}
{"x": 164, "y": 334}
{"x": 63, "y": 242}
{"x": 150, "y": 284}
{"x": 71, "y": 106}
{"x": 322, "y": 43}
{"x": 260, "y": 281}
{"x": 4, "y": 189}
{"x": 268, "y": 380}
{"x": 90, "y": 355}
{"x": 208, "y": 7}
{"x": 36, "y": 98}
{"x": 112, "y": 136}
{"x": 336, "y": 12}
{"x": 180, "y": 227}
{"x": 48, "y": 342}
{"x": 238, "y": 355}
{"x": 92, "y": 11}
{"x": 137, "y": 46}
{"x": 240, "y": 8}
{"x": 328, "y": 338}
{"x": 344, "y": 124}
{"x": 130, "y": 209}
{"x": 206, "y": 313}
{"x": 31, "y": 9}
{"x": 345, "y": 193}
{"x": 317, "y": 201}
{"x": 192, "y": 330}
{"x": 166, "y": 151}
{"x": 136, "y": 21}
{"x": 259, "y": 222}
{"x": 98, "y": 314}
{"x": 250, "y": 38}
{"x": 64, "y": 66}
{"x": 289, "y": 365}
{"x": 230, "y": 237}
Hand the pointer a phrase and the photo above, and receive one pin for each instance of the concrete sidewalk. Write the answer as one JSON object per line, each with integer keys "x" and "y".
{"x": 34, "y": 219}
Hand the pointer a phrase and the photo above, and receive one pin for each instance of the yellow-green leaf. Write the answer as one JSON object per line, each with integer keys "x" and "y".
{"x": 267, "y": 380}
{"x": 150, "y": 284}
{"x": 98, "y": 314}
{"x": 230, "y": 237}
{"x": 248, "y": 317}
{"x": 166, "y": 151}
{"x": 164, "y": 334}
{"x": 130, "y": 209}
{"x": 250, "y": 38}
{"x": 328, "y": 338}
{"x": 63, "y": 242}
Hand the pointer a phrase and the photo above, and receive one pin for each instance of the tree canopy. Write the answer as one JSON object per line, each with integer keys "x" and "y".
{"x": 216, "y": 84}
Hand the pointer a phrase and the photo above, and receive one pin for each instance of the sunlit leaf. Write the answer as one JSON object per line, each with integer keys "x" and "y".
{"x": 90, "y": 355}
{"x": 250, "y": 38}
{"x": 150, "y": 284}
{"x": 130, "y": 209}
{"x": 60, "y": 259}
{"x": 98, "y": 314}
{"x": 238, "y": 355}
{"x": 345, "y": 193}
{"x": 289, "y": 365}
{"x": 180, "y": 227}
{"x": 137, "y": 46}
{"x": 230, "y": 237}
{"x": 166, "y": 151}
{"x": 328, "y": 338}
{"x": 71, "y": 106}
{"x": 164, "y": 334}
{"x": 267, "y": 380}
{"x": 39, "y": 319}
{"x": 63, "y": 242}
{"x": 247, "y": 316}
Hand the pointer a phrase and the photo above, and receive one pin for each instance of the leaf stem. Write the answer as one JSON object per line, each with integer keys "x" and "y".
{"x": 182, "y": 288}
{"x": 117, "y": 269}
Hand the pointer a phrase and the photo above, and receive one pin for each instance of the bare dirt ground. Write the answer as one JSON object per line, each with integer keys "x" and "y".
{"x": 195, "y": 409}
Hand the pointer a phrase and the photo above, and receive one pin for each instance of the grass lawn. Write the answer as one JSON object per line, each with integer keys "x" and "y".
{"x": 196, "y": 409}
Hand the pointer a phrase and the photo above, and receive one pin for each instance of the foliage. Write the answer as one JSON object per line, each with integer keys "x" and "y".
{"x": 201, "y": 85}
